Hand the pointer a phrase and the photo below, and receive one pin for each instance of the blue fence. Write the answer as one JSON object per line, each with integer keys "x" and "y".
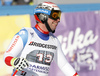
{"x": 27, "y": 9}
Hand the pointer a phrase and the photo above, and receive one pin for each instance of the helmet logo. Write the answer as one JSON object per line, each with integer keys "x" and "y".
{"x": 49, "y": 2}
{"x": 44, "y": 7}
{"x": 45, "y": 11}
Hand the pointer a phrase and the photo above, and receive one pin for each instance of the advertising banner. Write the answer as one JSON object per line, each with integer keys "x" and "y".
{"x": 79, "y": 34}
{"x": 9, "y": 26}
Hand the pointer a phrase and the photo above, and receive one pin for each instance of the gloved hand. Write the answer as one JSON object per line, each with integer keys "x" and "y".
{"x": 19, "y": 63}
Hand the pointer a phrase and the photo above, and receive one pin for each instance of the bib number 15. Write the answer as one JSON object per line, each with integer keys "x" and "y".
{"x": 40, "y": 56}
{"x": 48, "y": 58}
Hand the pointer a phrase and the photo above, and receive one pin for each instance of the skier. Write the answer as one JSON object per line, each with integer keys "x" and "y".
{"x": 32, "y": 50}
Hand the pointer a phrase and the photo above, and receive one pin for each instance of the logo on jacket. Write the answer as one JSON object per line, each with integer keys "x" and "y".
{"x": 32, "y": 43}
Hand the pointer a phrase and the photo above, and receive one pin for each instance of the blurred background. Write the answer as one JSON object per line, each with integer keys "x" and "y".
{"x": 78, "y": 32}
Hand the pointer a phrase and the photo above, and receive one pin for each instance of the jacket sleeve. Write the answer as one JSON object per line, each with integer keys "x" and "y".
{"x": 15, "y": 47}
{"x": 62, "y": 63}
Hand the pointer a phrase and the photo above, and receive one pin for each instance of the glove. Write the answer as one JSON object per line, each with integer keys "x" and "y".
{"x": 19, "y": 63}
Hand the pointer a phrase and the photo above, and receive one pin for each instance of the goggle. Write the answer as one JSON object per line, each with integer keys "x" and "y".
{"x": 55, "y": 15}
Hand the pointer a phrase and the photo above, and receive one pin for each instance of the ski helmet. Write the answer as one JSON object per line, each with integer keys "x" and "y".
{"x": 47, "y": 10}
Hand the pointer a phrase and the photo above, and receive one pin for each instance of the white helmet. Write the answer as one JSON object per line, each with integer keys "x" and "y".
{"x": 47, "y": 10}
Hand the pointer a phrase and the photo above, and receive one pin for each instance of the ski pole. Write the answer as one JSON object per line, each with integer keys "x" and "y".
{"x": 15, "y": 72}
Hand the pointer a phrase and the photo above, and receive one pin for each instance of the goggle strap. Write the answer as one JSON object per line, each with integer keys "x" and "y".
{"x": 48, "y": 27}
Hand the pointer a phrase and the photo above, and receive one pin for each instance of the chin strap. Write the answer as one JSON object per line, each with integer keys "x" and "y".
{"x": 48, "y": 27}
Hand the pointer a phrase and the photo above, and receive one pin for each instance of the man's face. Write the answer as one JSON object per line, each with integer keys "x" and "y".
{"x": 53, "y": 23}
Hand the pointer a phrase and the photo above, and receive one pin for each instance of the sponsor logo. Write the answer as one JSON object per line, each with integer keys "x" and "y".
{"x": 43, "y": 45}
{"x": 42, "y": 11}
{"x": 13, "y": 44}
{"x": 77, "y": 47}
{"x": 38, "y": 68}
{"x": 77, "y": 40}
